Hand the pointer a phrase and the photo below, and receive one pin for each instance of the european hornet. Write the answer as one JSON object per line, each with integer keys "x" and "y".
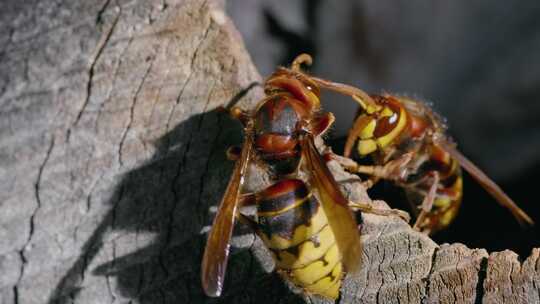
{"x": 302, "y": 217}
{"x": 409, "y": 146}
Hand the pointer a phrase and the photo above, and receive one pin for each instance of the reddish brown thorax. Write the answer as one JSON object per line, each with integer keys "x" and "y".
{"x": 291, "y": 102}
{"x": 417, "y": 126}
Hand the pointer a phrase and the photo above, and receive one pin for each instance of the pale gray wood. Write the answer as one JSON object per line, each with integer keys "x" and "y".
{"x": 112, "y": 160}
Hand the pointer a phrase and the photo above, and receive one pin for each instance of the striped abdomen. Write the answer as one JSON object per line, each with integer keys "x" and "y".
{"x": 449, "y": 191}
{"x": 294, "y": 227}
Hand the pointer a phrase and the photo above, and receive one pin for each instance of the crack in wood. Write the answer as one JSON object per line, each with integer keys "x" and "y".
{"x": 21, "y": 252}
{"x": 461, "y": 281}
{"x": 113, "y": 82}
{"x": 91, "y": 191}
{"x": 132, "y": 110}
{"x": 16, "y": 286}
{"x": 92, "y": 63}
{"x": 192, "y": 63}
{"x": 37, "y": 187}
{"x": 481, "y": 278}
{"x": 99, "y": 15}
{"x": 161, "y": 85}
{"x": 430, "y": 274}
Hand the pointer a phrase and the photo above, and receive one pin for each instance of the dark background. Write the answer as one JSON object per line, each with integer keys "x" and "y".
{"x": 477, "y": 62}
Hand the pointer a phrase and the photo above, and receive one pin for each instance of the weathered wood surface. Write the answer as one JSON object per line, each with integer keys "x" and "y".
{"x": 112, "y": 156}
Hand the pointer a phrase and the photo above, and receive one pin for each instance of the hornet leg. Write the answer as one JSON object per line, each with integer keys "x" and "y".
{"x": 359, "y": 124}
{"x": 393, "y": 170}
{"x": 348, "y": 164}
{"x": 379, "y": 211}
{"x": 427, "y": 203}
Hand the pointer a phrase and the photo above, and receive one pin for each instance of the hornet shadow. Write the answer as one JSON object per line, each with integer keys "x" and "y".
{"x": 167, "y": 200}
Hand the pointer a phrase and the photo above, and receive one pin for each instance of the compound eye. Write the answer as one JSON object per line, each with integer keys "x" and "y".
{"x": 388, "y": 120}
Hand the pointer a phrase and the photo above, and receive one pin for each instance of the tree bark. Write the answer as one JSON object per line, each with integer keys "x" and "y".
{"x": 112, "y": 160}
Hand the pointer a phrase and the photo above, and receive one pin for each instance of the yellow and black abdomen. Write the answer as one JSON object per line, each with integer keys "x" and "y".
{"x": 293, "y": 225}
{"x": 448, "y": 199}
{"x": 449, "y": 191}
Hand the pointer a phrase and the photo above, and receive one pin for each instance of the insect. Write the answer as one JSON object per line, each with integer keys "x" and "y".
{"x": 409, "y": 147}
{"x": 302, "y": 217}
